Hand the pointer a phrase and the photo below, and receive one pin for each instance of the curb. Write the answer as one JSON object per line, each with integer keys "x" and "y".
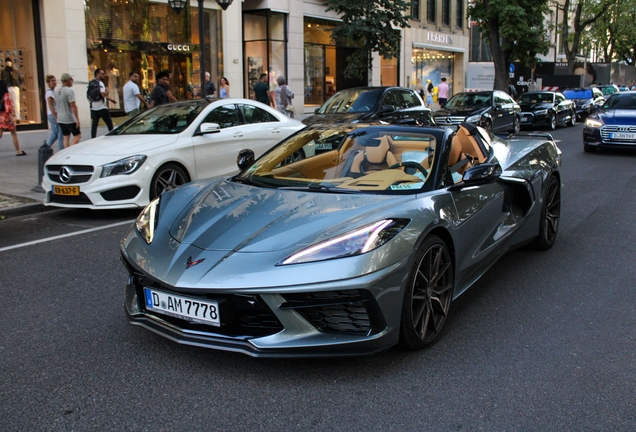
{"x": 24, "y": 210}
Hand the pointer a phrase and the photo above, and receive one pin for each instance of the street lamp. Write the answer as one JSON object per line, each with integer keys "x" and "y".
{"x": 178, "y": 6}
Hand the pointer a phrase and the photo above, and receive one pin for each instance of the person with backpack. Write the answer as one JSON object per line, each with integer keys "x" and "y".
{"x": 97, "y": 94}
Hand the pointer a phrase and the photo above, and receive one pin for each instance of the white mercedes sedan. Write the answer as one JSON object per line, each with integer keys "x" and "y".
{"x": 161, "y": 149}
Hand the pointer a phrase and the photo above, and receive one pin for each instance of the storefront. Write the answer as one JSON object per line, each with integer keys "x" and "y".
{"x": 148, "y": 37}
{"x": 432, "y": 64}
{"x": 22, "y": 44}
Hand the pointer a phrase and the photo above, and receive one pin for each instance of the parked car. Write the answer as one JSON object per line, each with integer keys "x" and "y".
{"x": 161, "y": 149}
{"x": 395, "y": 105}
{"x": 623, "y": 88}
{"x": 614, "y": 126}
{"x": 608, "y": 89}
{"x": 587, "y": 100}
{"x": 494, "y": 110}
{"x": 546, "y": 109}
{"x": 344, "y": 253}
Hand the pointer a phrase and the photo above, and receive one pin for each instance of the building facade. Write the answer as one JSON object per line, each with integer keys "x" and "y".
{"x": 288, "y": 38}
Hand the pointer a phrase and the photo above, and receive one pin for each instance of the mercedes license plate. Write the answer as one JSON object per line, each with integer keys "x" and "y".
{"x": 66, "y": 190}
{"x": 189, "y": 309}
{"x": 623, "y": 135}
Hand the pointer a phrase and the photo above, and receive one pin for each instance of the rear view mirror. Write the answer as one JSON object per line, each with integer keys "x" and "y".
{"x": 245, "y": 159}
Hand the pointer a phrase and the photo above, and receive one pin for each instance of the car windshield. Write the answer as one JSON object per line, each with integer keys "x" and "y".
{"x": 349, "y": 159}
{"x": 608, "y": 90}
{"x": 164, "y": 119}
{"x": 621, "y": 102}
{"x": 533, "y": 98}
{"x": 352, "y": 101}
{"x": 578, "y": 94}
{"x": 469, "y": 100}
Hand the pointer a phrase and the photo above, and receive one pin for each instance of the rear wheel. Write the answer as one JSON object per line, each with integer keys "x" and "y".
{"x": 516, "y": 125}
{"x": 550, "y": 215}
{"x": 428, "y": 295}
{"x": 167, "y": 177}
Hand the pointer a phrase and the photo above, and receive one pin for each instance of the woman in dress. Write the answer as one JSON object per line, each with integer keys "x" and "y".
{"x": 429, "y": 93}
{"x": 7, "y": 118}
{"x": 283, "y": 97}
{"x": 224, "y": 88}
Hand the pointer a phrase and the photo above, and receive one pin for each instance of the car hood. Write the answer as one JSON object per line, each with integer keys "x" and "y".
{"x": 336, "y": 118}
{"x": 119, "y": 145}
{"x": 464, "y": 112}
{"x": 229, "y": 216}
{"x": 618, "y": 117}
{"x": 535, "y": 106}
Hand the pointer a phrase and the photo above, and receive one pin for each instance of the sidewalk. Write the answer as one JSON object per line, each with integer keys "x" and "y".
{"x": 19, "y": 175}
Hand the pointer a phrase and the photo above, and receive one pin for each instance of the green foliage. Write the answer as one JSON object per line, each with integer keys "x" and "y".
{"x": 372, "y": 23}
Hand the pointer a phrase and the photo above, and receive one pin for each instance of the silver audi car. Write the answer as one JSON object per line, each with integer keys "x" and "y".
{"x": 359, "y": 247}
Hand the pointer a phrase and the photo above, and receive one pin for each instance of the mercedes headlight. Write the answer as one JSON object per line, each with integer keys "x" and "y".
{"x": 474, "y": 119}
{"x": 146, "y": 222}
{"x": 594, "y": 123}
{"x": 356, "y": 242}
{"x": 123, "y": 166}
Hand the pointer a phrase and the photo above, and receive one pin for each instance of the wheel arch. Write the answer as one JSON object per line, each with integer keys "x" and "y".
{"x": 177, "y": 163}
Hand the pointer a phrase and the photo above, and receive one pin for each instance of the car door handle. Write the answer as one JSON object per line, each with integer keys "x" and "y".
{"x": 238, "y": 135}
{"x": 275, "y": 130}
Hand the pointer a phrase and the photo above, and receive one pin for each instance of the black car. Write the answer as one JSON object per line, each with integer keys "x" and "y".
{"x": 395, "y": 105}
{"x": 494, "y": 110}
{"x": 546, "y": 109}
{"x": 587, "y": 100}
{"x": 614, "y": 126}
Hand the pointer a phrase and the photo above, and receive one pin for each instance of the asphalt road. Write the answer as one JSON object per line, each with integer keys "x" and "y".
{"x": 544, "y": 341}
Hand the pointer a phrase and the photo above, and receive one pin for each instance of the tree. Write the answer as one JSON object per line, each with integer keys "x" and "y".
{"x": 515, "y": 30}
{"x": 585, "y": 13}
{"x": 372, "y": 23}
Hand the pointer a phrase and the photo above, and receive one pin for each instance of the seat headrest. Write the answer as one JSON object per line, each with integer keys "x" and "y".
{"x": 377, "y": 154}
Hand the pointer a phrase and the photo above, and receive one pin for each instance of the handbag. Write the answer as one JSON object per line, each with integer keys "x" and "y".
{"x": 288, "y": 106}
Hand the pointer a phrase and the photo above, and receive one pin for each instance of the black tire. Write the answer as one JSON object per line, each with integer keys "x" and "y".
{"x": 487, "y": 124}
{"x": 516, "y": 125}
{"x": 551, "y": 121}
{"x": 550, "y": 215}
{"x": 589, "y": 149}
{"x": 572, "y": 120}
{"x": 167, "y": 177}
{"x": 429, "y": 291}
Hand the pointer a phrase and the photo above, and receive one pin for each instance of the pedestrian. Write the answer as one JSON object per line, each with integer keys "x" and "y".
{"x": 210, "y": 88}
{"x": 51, "y": 114}
{"x": 224, "y": 88}
{"x": 512, "y": 91}
{"x": 10, "y": 77}
{"x": 67, "y": 114}
{"x": 132, "y": 97}
{"x": 442, "y": 93}
{"x": 166, "y": 85}
{"x": 261, "y": 89}
{"x": 429, "y": 93}
{"x": 99, "y": 105}
{"x": 158, "y": 95}
{"x": 284, "y": 96}
{"x": 7, "y": 117}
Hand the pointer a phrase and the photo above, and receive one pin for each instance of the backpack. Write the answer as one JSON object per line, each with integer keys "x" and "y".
{"x": 94, "y": 93}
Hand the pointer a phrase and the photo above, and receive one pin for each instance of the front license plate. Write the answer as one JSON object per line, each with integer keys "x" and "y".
{"x": 525, "y": 119}
{"x": 66, "y": 190}
{"x": 623, "y": 135}
{"x": 189, "y": 309}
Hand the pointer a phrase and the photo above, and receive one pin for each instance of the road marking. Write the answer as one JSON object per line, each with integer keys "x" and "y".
{"x": 48, "y": 239}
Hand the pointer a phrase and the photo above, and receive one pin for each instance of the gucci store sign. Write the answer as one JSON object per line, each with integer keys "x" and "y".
{"x": 180, "y": 47}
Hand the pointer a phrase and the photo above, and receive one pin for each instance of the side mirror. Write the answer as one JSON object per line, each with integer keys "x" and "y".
{"x": 316, "y": 111}
{"x": 207, "y": 128}
{"x": 245, "y": 159}
{"x": 479, "y": 174}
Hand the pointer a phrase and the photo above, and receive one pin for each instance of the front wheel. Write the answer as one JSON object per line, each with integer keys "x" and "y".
{"x": 550, "y": 215}
{"x": 516, "y": 125}
{"x": 551, "y": 121}
{"x": 487, "y": 124}
{"x": 167, "y": 177}
{"x": 428, "y": 295}
{"x": 572, "y": 120}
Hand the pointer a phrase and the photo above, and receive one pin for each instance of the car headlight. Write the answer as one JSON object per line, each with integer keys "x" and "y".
{"x": 594, "y": 123}
{"x": 353, "y": 243}
{"x": 541, "y": 112}
{"x": 123, "y": 166}
{"x": 474, "y": 119}
{"x": 146, "y": 222}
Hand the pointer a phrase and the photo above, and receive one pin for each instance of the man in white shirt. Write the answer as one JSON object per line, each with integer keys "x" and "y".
{"x": 132, "y": 96}
{"x": 99, "y": 109}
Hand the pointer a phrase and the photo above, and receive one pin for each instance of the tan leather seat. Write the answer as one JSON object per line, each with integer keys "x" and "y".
{"x": 372, "y": 159}
{"x": 464, "y": 146}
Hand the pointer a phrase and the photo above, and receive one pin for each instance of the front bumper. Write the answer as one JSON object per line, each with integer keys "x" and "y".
{"x": 532, "y": 119}
{"x": 340, "y": 318}
{"x": 603, "y": 137}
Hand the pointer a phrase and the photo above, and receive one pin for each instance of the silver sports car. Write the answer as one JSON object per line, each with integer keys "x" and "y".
{"x": 353, "y": 250}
